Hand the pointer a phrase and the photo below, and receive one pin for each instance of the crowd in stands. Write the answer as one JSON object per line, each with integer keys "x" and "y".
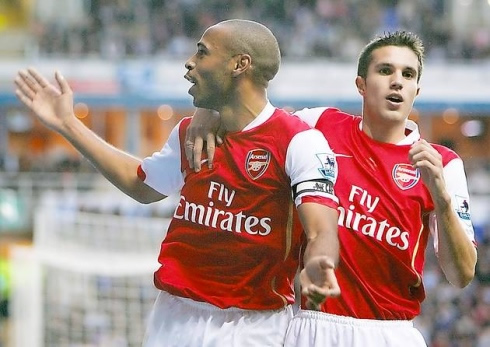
{"x": 337, "y": 29}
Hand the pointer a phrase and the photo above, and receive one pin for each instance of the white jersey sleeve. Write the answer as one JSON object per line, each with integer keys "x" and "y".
{"x": 457, "y": 188}
{"x": 311, "y": 165}
{"x": 163, "y": 169}
{"x": 310, "y": 115}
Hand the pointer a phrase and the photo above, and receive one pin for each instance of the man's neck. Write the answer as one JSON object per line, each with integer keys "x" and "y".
{"x": 388, "y": 133}
{"x": 236, "y": 117}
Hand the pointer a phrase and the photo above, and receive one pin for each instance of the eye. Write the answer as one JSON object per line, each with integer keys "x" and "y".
{"x": 385, "y": 71}
{"x": 201, "y": 51}
{"x": 409, "y": 74}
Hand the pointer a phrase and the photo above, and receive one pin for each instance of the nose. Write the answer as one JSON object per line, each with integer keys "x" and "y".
{"x": 189, "y": 64}
{"x": 396, "y": 81}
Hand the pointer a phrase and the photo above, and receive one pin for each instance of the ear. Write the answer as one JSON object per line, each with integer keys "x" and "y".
{"x": 242, "y": 64}
{"x": 361, "y": 85}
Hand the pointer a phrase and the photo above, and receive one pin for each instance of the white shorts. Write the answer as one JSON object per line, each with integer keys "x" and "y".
{"x": 180, "y": 322}
{"x": 315, "y": 329}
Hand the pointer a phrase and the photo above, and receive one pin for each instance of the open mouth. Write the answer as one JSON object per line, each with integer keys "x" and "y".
{"x": 395, "y": 98}
{"x": 190, "y": 79}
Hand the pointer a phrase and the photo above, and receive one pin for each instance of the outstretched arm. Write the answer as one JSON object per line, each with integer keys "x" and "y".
{"x": 456, "y": 253}
{"x": 53, "y": 106}
{"x": 317, "y": 278}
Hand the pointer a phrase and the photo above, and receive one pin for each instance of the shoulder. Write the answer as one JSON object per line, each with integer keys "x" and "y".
{"x": 288, "y": 122}
{"x": 446, "y": 153}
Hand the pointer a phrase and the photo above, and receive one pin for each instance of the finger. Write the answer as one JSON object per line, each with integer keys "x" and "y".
{"x": 62, "y": 82}
{"x": 196, "y": 153}
{"x": 23, "y": 89}
{"x": 189, "y": 154}
{"x": 27, "y": 82}
{"x": 220, "y": 135}
{"x": 40, "y": 80}
{"x": 23, "y": 98}
{"x": 210, "y": 149}
{"x": 425, "y": 158}
{"x": 312, "y": 306}
{"x": 326, "y": 263}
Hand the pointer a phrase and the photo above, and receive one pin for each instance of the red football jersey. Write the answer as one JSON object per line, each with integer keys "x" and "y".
{"x": 232, "y": 241}
{"x": 385, "y": 212}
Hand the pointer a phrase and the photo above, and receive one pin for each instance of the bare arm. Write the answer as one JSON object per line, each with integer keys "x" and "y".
{"x": 456, "y": 253}
{"x": 317, "y": 278}
{"x": 54, "y": 107}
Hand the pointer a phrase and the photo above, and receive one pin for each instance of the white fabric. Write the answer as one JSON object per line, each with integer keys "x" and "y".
{"x": 300, "y": 166}
{"x": 180, "y": 322}
{"x": 162, "y": 169}
{"x": 320, "y": 329}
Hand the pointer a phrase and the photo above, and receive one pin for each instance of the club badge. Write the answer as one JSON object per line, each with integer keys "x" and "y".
{"x": 257, "y": 162}
{"x": 405, "y": 176}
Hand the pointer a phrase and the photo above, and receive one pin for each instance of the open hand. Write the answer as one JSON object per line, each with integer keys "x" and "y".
{"x": 53, "y": 105}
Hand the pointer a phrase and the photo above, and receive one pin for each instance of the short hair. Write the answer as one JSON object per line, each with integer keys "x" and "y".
{"x": 397, "y": 38}
{"x": 259, "y": 42}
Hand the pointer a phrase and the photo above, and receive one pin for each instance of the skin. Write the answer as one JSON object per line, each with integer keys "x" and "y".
{"x": 224, "y": 80}
{"x": 392, "y": 74}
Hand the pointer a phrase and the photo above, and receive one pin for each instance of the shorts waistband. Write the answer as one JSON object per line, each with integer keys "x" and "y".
{"x": 209, "y": 307}
{"x": 307, "y": 314}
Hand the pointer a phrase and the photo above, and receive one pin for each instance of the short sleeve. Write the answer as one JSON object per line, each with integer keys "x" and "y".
{"x": 457, "y": 188}
{"x": 312, "y": 168}
{"x": 162, "y": 170}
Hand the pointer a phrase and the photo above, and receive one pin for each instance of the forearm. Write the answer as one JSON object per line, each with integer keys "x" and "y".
{"x": 320, "y": 224}
{"x": 456, "y": 253}
{"x": 118, "y": 167}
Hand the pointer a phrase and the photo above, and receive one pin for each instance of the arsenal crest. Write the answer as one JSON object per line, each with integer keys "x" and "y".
{"x": 405, "y": 176}
{"x": 257, "y": 162}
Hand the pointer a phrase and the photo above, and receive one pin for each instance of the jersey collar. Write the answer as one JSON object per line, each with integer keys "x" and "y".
{"x": 412, "y": 131}
{"x": 262, "y": 117}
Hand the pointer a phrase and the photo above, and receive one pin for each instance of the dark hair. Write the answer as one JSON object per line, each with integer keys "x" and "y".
{"x": 397, "y": 38}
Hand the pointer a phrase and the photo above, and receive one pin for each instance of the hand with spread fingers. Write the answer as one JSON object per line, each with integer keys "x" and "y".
{"x": 205, "y": 127}
{"x": 318, "y": 282}
{"x": 53, "y": 105}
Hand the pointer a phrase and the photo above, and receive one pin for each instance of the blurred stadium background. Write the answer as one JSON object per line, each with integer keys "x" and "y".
{"x": 76, "y": 256}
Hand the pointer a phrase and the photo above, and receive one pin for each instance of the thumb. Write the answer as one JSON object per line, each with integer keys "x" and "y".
{"x": 326, "y": 263}
{"x": 64, "y": 86}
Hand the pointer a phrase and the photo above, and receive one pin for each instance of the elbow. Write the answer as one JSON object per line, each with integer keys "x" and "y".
{"x": 463, "y": 278}
{"x": 146, "y": 199}
{"x": 463, "y": 281}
